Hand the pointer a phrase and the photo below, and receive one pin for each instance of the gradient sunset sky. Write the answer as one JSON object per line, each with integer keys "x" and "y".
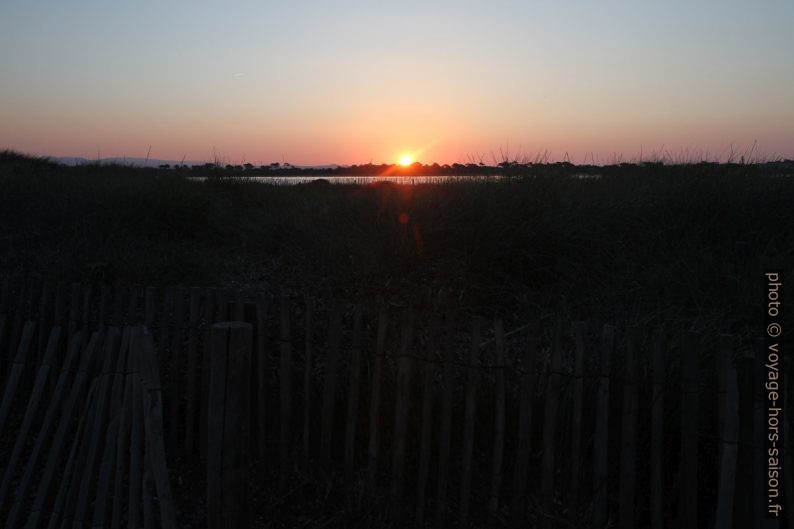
{"x": 353, "y": 81}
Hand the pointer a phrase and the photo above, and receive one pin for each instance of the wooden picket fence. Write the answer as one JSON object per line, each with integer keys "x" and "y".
{"x": 88, "y": 447}
{"x": 446, "y": 417}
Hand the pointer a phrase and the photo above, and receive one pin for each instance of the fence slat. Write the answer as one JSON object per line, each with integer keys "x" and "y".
{"x": 3, "y": 338}
{"x": 16, "y": 372}
{"x": 352, "y": 393}
{"x": 580, "y": 333}
{"x": 445, "y": 435}
{"x": 17, "y": 328}
{"x": 499, "y": 416}
{"x": 760, "y": 477}
{"x": 689, "y": 430}
{"x": 788, "y": 466}
{"x": 132, "y": 305}
{"x": 329, "y": 389}
{"x": 601, "y": 437}
{"x": 227, "y": 455}
{"x": 529, "y": 381}
{"x": 657, "y": 432}
{"x": 74, "y": 309}
{"x": 308, "y": 365}
{"x": 118, "y": 306}
{"x": 628, "y": 449}
{"x": 285, "y": 390}
{"x": 97, "y": 431}
{"x": 59, "y": 442}
{"x": 550, "y": 425}
{"x": 175, "y": 373}
{"x": 743, "y": 505}
{"x": 427, "y": 417}
{"x": 88, "y": 301}
{"x": 374, "y": 410}
{"x": 5, "y": 296}
{"x": 44, "y": 431}
{"x": 122, "y": 444}
{"x": 39, "y": 387}
{"x": 5, "y": 322}
{"x": 728, "y": 433}
{"x": 192, "y": 371}
{"x": 150, "y": 307}
{"x": 153, "y": 426}
{"x": 401, "y": 415}
{"x": 82, "y": 477}
{"x": 110, "y": 448}
{"x": 44, "y": 323}
{"x": 59, "y": 307}
{"x": 67, "y": 484}
{"x": 164, "y": 327}
{"x": 470, "y": 414}
{"x": 105, "y": 295}
{"x": 136, "y": 447}
{"x": 209, "y": 317}
{"x": 239, "y": 307}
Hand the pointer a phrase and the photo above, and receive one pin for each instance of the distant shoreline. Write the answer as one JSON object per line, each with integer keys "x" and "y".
{"x": 415, "y": 170}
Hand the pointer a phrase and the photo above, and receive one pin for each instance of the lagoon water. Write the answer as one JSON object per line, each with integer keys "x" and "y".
{"x": 404, "y": 180}
{"x": 364, "y": 180}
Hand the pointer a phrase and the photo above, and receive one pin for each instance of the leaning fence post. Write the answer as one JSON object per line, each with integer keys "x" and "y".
{"x": 689, "y": 430}
{"x": 601, "y": 438}
{"x": 228, "y": 443}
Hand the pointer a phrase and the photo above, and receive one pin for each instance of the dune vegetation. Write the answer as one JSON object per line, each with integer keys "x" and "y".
{"x": 635, "y": 244}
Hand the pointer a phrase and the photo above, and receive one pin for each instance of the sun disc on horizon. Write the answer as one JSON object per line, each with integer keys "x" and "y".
{"x": 406, "y": 159}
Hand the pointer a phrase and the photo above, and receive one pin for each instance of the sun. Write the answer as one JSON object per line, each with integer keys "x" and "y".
{"x": 406, "y": 159}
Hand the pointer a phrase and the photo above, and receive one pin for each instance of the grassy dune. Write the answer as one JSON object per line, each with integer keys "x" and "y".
{"x": 682, "y": 246}
{"x": 637, "y": 244}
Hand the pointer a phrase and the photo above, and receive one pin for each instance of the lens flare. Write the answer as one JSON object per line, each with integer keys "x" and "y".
{"x": 406, "y": 159}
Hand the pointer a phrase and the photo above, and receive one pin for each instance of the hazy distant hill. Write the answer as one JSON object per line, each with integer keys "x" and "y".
{"x": 140, "y": 162}
{"x": 156, "y": 162}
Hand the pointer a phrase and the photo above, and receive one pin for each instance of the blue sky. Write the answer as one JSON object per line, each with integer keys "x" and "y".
{"x": 351, "y": 81}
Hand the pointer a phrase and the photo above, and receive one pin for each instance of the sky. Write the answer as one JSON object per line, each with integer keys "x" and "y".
{"x": 353, "y": 82}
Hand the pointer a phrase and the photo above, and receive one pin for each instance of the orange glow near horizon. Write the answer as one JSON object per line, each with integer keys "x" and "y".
{"x": 322, "y": 86}
{"x": 406, "y": 159}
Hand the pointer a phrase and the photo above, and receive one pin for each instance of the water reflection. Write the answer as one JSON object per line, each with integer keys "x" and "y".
{"x": 362, "y": 180}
